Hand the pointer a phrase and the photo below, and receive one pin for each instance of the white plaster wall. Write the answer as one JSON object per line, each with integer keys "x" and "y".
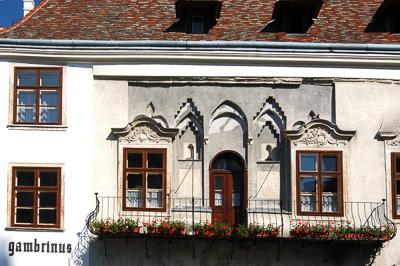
{"x": 71, "y": 148}
{"x": 110, "y": 105}
{"x": 364, "y": 106}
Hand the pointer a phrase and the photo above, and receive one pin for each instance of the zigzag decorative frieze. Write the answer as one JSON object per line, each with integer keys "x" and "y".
{"x": 275, "y": 106}
{"x": 189, "y": 117}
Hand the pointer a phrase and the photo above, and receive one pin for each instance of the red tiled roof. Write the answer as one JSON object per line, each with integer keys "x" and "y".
{"x": 342, "y": 21}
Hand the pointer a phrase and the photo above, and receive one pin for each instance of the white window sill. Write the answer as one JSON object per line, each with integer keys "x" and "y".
{"x": 37, "y": 127}
{"x": 34, "y": 229}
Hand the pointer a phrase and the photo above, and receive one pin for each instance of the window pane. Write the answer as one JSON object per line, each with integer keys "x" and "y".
{"x": 49, "y": 98}
{"x": 329, "y": 184}
{"x": 26, "y": 97}
{"x": 237, "y": 181}
{"x": 134, "y": 198}
{"x": 25, "y": 178}
{"x": 398, "y": 205}
{"x": 219, "y": 181}
{"x": 236, "y": 199}
{"x": 48, "y": 179}
{"x": 329, "y": 164}
{"x": 397, "y": 164}
{"x": 48, "y": 114}
{"x": 329, "y": 203}
{"x": 308, "y": 203}
{"x": 24, "y": 216}
{"x": 26, "y": 78}
{"x": 219, "y": 198}
{"x": 25, "y": 199}
{"x": 154, "y": 160}
{"x": 47, "y": 216}
{"x": 135, "y": 160}
{"x": 26, "y": 114}
{"x": 398, "y": 187}
{"x": 49, "y": 78}
{"x": 154, "y": 181}
{"x": 47, "y": 199}
{"x": 308, "y": 162}
{"x": 135, "y": 181}
{"x": 308, "y": 184}
{"x": 198, "y": 25}
{"x": 154, "y": 199}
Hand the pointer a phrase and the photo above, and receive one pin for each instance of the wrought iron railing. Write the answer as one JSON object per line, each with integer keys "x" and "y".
{"x": 351, "y": 220}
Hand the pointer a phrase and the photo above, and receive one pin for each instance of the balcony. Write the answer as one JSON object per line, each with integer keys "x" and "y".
{"x": 262, "y": 219}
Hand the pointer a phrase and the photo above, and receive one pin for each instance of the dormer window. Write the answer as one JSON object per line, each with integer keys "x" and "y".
{"x": 293, "y": 16}
{"x": 198, "y": 24}
{"x": 197, "y": 16}
{"x": 386, "y": 18}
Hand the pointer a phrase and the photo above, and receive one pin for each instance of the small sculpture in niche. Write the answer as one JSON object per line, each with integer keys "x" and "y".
{"x": 269, "y": 152}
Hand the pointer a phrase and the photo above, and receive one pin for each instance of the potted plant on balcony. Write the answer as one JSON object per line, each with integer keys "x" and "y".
{"x": 117, "y": 227}
{"x": 241, "y": 231}
{"x": 96, "y": 226}
{"x": 212, "y": 230}
{"x": 132, "y": 226}
{"x": 168, "y": 227}
{"x": 270, "y": 231}
{"x": 311, "y": 231}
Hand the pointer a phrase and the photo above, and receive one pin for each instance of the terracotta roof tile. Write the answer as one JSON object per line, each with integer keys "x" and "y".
{"x": 341, "y": 21}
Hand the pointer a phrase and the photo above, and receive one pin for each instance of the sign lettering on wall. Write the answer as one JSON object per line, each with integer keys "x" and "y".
{"x": 38, "y": 247}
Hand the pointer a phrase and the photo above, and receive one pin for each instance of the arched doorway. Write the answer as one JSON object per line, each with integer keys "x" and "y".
{"x": 228, "y": 188}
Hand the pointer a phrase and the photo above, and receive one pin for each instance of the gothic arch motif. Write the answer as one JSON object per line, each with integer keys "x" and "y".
{"x": 319, "y": 133}
{"x": 229, "y": 109}
{"x": 145, "y": 129}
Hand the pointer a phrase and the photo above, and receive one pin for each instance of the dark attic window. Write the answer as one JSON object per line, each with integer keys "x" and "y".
{"x": 196, "y": 16}
{"x": 293, "y": 16}
{"x": 386, "y": 18}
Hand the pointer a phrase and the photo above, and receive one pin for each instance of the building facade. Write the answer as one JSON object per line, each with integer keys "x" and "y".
{"x": 200, "y": 132}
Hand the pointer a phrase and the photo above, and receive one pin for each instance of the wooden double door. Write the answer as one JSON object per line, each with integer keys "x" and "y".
{"x": 227, "y": 197}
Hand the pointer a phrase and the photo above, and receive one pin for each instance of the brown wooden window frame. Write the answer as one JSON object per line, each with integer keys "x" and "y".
{"x": 144, "y": 170}
{"x": 36, "y": 189}
{"x": 37, "y": 89}
{"x": 395, "y": 178}
{"x": 318, "y": 174}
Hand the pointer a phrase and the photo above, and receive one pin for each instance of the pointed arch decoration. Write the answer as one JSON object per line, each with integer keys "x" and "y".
{"x": 145, "y": 129}
{"x": 229, "y": 109}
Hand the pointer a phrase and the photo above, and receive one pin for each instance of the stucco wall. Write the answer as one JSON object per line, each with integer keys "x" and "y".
{"x": 69, "y": 147}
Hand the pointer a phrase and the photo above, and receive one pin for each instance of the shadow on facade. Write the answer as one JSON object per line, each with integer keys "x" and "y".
{"x": 79, "y": 256}
{"x": 150, "y": 251}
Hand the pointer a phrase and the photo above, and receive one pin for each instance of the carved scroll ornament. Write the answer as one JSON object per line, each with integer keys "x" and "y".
{"x": 319, "y": 133}
{"x": 145, "y": 130}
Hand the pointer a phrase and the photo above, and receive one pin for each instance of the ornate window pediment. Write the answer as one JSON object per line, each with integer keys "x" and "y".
{"x": 319, "y": 133}
{"x": 144, "y": 129}
{"x": 391, "y": 138}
